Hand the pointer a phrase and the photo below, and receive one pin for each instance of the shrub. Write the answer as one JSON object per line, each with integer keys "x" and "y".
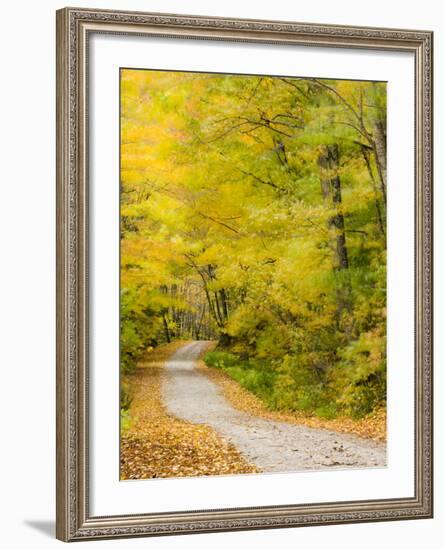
{"x": 360, "y": 376}
{"x": 126, "y": 397}
{"x": 254, "y": 375}
{"x": 314, "y": 381}
{"x": 125, "y": 420}
{"x": 220, "y": 359}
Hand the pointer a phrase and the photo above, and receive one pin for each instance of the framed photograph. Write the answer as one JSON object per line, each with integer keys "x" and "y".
{"x": 244, "y": 276}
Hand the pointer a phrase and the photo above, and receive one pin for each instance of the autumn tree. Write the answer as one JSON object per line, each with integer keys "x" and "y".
{"x": 253, "y": 211}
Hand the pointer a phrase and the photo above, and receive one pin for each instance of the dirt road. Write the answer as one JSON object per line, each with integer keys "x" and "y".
{"x": 271, "y": 445}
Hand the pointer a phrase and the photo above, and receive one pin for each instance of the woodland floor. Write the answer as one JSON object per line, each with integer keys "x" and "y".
{"x": 159, "y": 445}
{"x": 189, "y": 420}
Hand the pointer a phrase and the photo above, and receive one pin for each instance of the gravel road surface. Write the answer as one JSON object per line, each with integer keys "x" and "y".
{"x": 273, "y": 446}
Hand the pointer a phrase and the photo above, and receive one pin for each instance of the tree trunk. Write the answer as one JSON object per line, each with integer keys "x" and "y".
{"x": 223, "y": 297}
{"x": 219, "y": 316}
{"x": 380, "y": 147}
{"x": 224, "y": 340}
{"x": 328, "y": 161}
{"x": 166, "y": 329}
{"x": 366, "y": 155}
{"x": 331, "y": 191}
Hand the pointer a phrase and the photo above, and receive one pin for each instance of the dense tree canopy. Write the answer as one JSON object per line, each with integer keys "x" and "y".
{"x": 253, "y": 212}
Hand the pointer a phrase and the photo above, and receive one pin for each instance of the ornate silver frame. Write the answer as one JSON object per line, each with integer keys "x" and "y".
{"x": 73, "y": 519}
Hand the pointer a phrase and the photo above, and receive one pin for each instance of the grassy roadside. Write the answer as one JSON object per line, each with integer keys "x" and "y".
{"x": 158, "y": 445}
{"x": 371, "y": 427}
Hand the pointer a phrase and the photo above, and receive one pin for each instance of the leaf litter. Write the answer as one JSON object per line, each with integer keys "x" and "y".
{"x": 158, "y": 445}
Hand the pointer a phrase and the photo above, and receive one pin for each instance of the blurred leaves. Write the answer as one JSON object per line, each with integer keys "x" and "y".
{"x": 230, "y": 226}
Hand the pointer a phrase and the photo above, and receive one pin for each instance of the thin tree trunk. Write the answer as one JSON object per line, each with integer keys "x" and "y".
{"x": 216, "y": 301}
{"x": 198, "y": 324}
{"x": 380, "y": 147}
{"x": 166, "y": 329}
{"x": 365, "y": 154}
{"x": 209, "y": 300}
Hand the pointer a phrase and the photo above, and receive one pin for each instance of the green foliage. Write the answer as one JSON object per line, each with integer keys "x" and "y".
{"x": 126, "y": 399}
{"x": 221, "y": 359}
{"x": 255, "y": 375}
{"x": 125, "y": 421}
{"x": 292, "y": 385}
{"x": 136, "y": 329}
{"x": 361, "y": 374}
